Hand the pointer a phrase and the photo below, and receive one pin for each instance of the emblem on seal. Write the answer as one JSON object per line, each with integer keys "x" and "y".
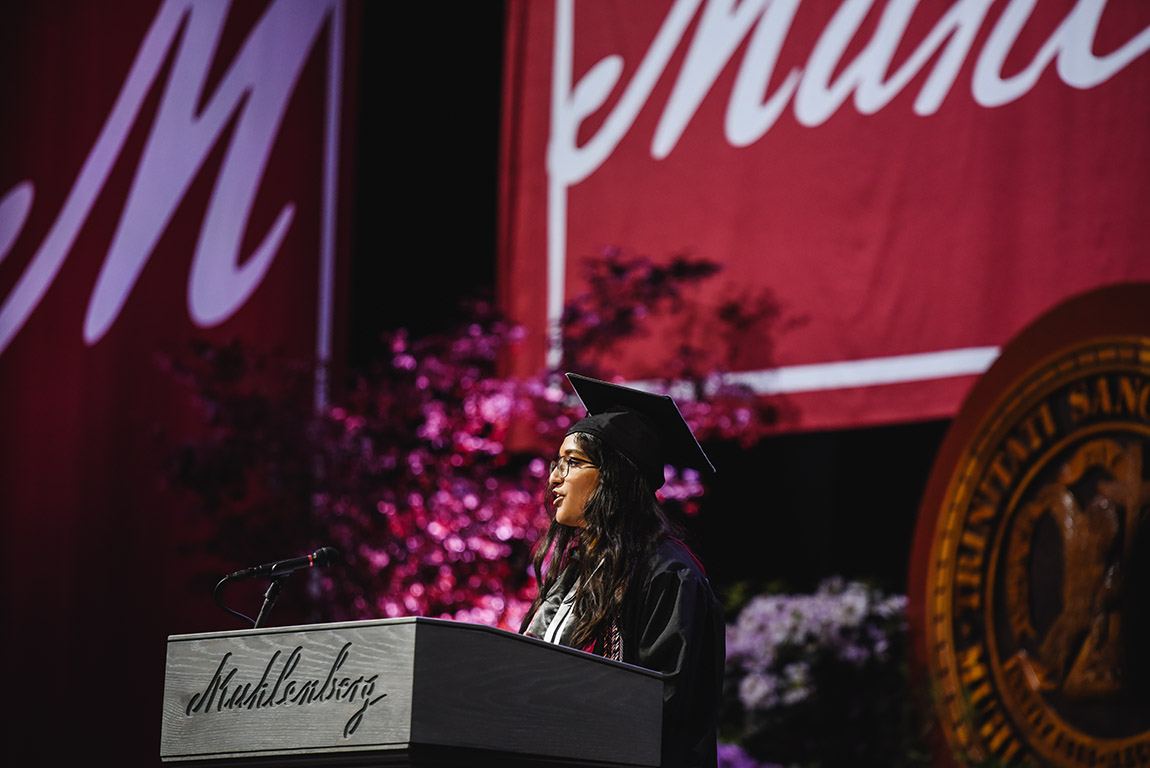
{"x": 1038, "y": 579}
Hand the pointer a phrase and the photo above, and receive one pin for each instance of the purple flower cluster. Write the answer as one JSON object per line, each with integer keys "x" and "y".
{"x": 777, "y": 639}
{"x": 733, "y": 756}
{"x": 819, "y": 679}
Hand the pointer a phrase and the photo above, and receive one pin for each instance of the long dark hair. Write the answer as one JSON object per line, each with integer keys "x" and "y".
{"x": 624, "y": 524}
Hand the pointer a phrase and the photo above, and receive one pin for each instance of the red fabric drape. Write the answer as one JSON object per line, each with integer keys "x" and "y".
{"x": 147, "y": 152}
{"x": 913, "y": 189}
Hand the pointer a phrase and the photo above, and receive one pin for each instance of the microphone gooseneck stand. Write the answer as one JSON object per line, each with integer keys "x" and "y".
{"x": 270, "y": 597}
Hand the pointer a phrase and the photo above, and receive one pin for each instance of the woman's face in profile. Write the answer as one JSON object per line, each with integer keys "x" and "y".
{"x": 569, "y": 494}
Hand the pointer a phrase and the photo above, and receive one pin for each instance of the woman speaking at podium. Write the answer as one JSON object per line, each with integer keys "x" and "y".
{"x": 613, "y": 578}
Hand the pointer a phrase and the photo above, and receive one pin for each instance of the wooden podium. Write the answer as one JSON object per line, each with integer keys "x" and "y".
{"x": 414, "y": 691}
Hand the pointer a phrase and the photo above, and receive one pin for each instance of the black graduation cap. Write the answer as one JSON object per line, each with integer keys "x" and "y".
{"x": 645, "y": 427}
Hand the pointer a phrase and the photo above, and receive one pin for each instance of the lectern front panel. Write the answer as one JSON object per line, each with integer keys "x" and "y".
{"x": 326, "y": 689}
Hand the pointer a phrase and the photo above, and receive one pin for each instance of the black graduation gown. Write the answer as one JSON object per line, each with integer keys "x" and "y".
{"x": 671, "y": 623}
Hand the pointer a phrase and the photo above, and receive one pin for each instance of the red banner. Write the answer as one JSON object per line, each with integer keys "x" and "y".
{"x": 170, "y": 171}
{"x": 912, "y": 182}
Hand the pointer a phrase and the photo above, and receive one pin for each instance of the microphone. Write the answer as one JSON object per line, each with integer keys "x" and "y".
{"x": 322, "y": 557}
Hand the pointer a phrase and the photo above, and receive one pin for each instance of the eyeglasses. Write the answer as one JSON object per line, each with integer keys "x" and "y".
{"x": 565, "y": 463}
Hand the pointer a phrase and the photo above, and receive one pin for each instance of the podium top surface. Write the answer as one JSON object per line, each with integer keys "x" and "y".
{"x": 424, "y": 621}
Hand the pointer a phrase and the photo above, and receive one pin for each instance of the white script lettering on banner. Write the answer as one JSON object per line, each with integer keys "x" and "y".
{"x": 815, "y": 90}
{"x": 254, "y": 91}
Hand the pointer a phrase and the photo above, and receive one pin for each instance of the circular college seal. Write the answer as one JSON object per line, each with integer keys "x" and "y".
{"x": 1033, "y": 569}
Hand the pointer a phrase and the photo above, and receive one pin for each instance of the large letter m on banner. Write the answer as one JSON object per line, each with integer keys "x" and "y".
{"x": 253, "y": 93}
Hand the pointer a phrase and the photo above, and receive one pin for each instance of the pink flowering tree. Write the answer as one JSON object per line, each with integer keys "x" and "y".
{"x": 428, "y": 471}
